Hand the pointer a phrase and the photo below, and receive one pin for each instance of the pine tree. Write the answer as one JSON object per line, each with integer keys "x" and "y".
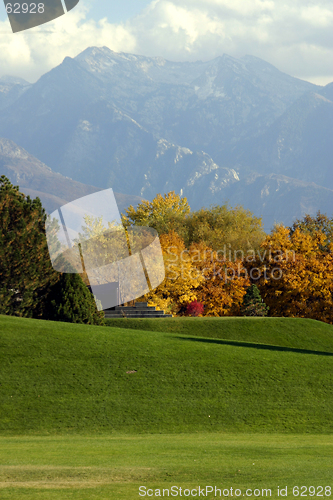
{"x": 29, "y": 286}
{"x": 69, "y": 300}
{"x": 25, "y": 266}
{"x": 253, "y": 304}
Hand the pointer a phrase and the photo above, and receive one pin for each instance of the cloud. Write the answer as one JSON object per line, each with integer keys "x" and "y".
{"x": 31, "y": 53}
{"x": 297, "y": 36}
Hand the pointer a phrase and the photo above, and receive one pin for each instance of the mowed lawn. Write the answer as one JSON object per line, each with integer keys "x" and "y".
{"x": 104, "y": 468}
{"x": 295, "y": 333}
{"x": 96, "y": 412}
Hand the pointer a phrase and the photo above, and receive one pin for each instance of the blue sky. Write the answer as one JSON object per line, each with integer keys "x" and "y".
{"x": 115, "y": 11}
{"x": 296, "y": 37}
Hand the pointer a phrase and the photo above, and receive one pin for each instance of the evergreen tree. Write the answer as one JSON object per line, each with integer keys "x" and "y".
{"x": 69, "y": 300}
{"x": 29, "y": 286}
{"x": 253, "y": 304}
{"x": 25, "y": 266}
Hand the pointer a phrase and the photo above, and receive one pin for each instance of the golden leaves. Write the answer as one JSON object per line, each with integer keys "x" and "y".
{"x": 305, "y": 284}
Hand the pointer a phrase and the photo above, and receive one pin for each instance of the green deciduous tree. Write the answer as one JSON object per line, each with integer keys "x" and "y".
{"x": 232, "y": 231}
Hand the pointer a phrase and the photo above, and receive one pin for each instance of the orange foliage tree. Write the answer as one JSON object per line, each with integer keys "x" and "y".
{"x": 181, "y": 277}
{"x": 198, "y": 274}
{"x": 224, "y": 282}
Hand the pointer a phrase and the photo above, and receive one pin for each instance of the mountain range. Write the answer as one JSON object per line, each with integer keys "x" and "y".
{"x": 35, "y": 179}
{"x": 236, "y": 130}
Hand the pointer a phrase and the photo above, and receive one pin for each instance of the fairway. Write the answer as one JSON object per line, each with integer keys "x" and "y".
{"x": 104, "y": 468}
{"x": 96, "y": 412}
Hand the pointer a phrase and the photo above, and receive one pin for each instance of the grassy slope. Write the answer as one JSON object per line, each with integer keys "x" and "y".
{"x": 58, "y": 377}
{"x": 287, "y": 332}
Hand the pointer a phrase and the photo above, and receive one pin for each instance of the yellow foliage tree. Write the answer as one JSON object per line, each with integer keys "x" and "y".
{"x": 182, "y": 278}
{"x": 232, "y": 230}
{"x": 164, "y": 213}
{"x": 294, "y": 272}
{"x": 101, "y": 243}
{"x": 224, "y": 282}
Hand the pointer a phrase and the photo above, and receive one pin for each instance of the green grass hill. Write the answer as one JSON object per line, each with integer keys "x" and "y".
{"x": 296, "y": 333}
{"x": 169, "y": 376}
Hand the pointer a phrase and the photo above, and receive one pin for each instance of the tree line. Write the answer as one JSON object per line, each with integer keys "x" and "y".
{"x": 219, "y": 257}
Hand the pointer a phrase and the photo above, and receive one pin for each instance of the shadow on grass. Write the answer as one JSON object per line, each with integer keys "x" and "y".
{"x": 255, "y": 346}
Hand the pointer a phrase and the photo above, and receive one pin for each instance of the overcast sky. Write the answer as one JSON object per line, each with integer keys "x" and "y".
{"x": 294, "y": 35}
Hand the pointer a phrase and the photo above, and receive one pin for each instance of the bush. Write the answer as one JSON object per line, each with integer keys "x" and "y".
{"x": 69, "y": 300}
{"x": 194, "y": 308}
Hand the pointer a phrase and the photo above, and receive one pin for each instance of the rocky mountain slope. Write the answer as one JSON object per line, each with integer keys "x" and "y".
{"x": 298, "y": 144}
{"x": 11, "y": 88}
{"x": 226, "y": 129}
{"x": 35, "y": 179}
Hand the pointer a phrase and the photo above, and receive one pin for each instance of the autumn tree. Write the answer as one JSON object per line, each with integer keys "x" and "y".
{"x": 294, "y": 274}
{"x": 100, "y": 243}
{"x": 312, "y": 224}
{"x": 223, "y": 228}
{"x": 165, "y": 214}
{"x": 224, "y": 281}
{"x": 181, "y": 277}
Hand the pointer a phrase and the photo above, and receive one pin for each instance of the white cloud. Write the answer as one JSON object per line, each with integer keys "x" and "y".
{"x": 31, "y": 53}
{"x": 317, "y": 16}
{"x": 295, "y": 36}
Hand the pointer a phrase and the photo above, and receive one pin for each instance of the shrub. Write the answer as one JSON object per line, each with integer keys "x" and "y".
{"x": 69, "y": 300}
{"x": 194, "y": 308}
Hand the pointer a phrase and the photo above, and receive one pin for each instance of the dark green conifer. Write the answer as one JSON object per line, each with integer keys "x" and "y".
{"x": 25, "y": 266}
{"x": 70, "y": 300}
{"x": 253, "y": 304}
{"x": 29, "y": 286}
